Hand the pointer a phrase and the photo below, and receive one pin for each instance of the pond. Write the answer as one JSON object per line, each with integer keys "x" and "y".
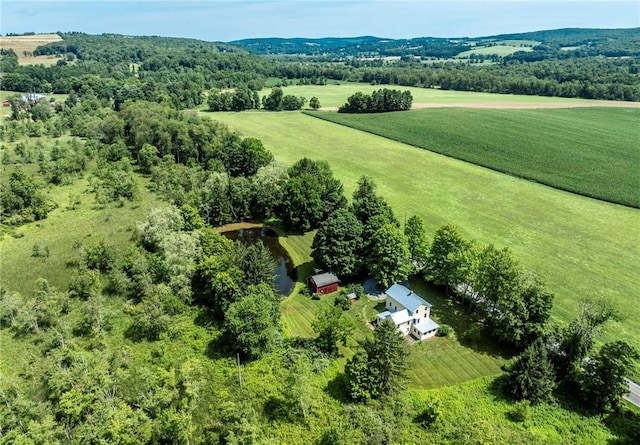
{"x": 285, "y": 272}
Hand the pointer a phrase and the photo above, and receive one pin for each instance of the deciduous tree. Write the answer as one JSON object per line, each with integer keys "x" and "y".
{"x": 446, "y": 256}
{"x": 336, "y": 245}
{"x": 416, "y": 234}
{"x": 252, "y": 324}
{"x": 390, "y": 259}
{"x": 603, "y": 381}
{"x": 332, "y": 328}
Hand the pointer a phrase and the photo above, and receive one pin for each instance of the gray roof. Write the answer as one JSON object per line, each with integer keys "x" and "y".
{"x": 406, "y": 297}
{"x": 324, "y": 279}
{"x": 425, "y": 325}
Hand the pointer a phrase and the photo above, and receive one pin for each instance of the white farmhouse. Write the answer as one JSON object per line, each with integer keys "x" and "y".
{"x": 409, "y": 312}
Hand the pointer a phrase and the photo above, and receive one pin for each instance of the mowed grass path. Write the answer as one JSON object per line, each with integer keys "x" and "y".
{"x": 582, "y": 246}
{"x": 590, "y": 151}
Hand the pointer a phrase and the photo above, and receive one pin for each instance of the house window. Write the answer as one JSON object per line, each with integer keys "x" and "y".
{"x": 425, "y": 315}
{"x": 395, "y": 308}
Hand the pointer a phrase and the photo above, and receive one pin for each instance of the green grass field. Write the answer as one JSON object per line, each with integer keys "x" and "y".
{"x": 61, "y": 229}
{"x": 473, "y": 412}
{"x": 336, "y": 95}
{"x": 582, "y": 246}
{"x": 590, "y": 151}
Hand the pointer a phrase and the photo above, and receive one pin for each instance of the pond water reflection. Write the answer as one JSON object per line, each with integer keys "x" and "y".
{"x": 285, "y": 272}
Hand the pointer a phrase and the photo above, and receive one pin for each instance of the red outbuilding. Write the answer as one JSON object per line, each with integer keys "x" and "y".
{"x": 6, "y": 103}
{"x": 324, "y": 283}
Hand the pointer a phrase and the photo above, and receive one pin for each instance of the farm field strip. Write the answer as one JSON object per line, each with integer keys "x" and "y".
{"x": 589, "y": 151}
{"x": 582, "y": 246}
{"x": 334, "y": 95}
{"x": 28, "y": 43}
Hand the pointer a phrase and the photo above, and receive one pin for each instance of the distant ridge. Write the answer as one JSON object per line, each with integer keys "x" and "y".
{"x": 619, "y": 42}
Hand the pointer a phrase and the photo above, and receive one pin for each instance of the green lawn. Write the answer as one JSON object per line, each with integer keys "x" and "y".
{"x": 590, "y": 151}
{"x": 432, "y": 364}
{"x": 581, "y": 245}
{"x": 336, "y": 95}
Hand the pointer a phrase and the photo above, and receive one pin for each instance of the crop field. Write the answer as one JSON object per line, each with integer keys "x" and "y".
{"x": 26, "y": 44}
{"x": 334, "y": 95}
{"x": 590, "y": 151}
{"x": 583, "y": 247}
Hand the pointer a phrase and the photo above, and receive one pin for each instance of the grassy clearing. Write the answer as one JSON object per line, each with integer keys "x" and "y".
{"x": 45, "y": 60}
{"x": 61, "y": 229}
{"x": 590, "y": 151}
{"x": 336, "y": 95}
{"x": 474, "y": 412}
{"x": 582, "y": 246}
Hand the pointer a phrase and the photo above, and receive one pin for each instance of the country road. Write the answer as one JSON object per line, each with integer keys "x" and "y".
{"x": 634, "y": 393}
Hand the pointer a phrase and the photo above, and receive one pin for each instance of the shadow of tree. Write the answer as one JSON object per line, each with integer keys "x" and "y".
{"x": 336, "y": 388}
{"x": 303, "y": 271}
{"x": 468, "y": 327}
{"x": 624, "y": 424}
{"x": 217, "y": 348}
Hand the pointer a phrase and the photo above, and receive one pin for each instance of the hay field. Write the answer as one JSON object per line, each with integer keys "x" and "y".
{"x": 22, "y": 44}
{"x": 590, "y": 151}
{"x": 332, "y": 96}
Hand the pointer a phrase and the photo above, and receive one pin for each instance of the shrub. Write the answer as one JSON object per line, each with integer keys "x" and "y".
{"x": 342, "y": 300}
{"x": 445, "y": 331}
{"x": 100, "y": 256}
{"x": 429, "y": 415}
{"x": 520, "y": 411}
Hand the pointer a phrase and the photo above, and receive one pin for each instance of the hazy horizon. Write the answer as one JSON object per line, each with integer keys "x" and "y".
{"x": 242, "y": 19}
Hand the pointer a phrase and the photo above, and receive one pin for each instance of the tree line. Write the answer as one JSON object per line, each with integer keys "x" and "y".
{"x": 179, "y": 71}
{"x": 379, "y": 101}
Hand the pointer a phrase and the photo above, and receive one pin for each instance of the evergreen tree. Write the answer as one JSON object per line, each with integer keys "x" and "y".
{"x": 531, "y": 377}
{"x": 366, "y": 203}
{"x": 387, "y": 359}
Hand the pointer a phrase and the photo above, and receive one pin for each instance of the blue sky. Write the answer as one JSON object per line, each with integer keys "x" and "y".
{"x": 229, "y": 20}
